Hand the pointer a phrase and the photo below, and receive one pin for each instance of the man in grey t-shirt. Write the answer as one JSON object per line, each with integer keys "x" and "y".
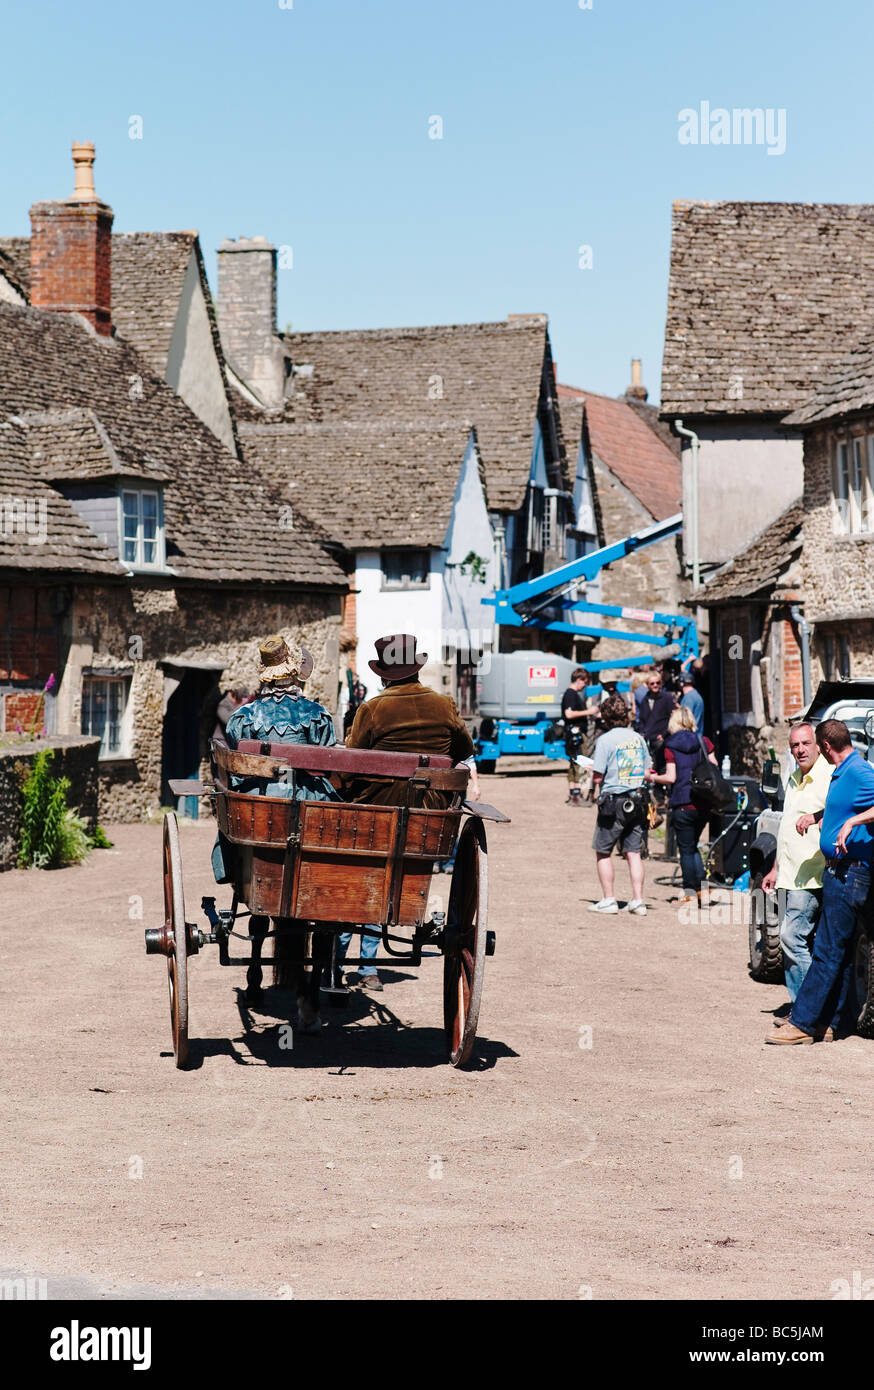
{"x": 619, "y": 766}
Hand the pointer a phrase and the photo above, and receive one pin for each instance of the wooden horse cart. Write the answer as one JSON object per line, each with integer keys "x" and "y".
{"x": 314, "y": 869}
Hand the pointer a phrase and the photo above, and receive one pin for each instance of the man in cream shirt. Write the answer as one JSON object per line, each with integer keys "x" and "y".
{"x": 799, "y": 863}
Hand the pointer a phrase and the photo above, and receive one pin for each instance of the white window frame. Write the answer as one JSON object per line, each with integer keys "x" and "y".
{"x": 406, "y": 581}
{"x": 140, "y": 563}
{"x": 106, "y": 753}
{"x": 853, "y": 483}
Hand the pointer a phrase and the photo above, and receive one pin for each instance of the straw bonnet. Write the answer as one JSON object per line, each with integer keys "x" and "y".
{"x": 279, "y": 661}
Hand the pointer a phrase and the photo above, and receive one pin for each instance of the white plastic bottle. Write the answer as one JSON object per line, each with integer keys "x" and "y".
{"x": 726, "y": 766}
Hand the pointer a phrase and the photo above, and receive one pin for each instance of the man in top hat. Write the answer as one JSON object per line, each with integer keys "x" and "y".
{"x": 408, "y": 717}
{"x": 405, "y": 717}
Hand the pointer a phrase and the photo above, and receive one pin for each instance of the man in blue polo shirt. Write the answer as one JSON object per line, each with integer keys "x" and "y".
{"x": 847, "y": 842}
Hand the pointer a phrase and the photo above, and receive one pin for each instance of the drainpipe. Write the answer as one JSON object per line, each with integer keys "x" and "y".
{"x": 693, "y": 527}
{"x": 803, "y": 626}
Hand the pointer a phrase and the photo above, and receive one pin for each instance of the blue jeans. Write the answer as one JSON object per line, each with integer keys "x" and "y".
{"x": 688, "y": 825}
{"x": 369, "y": 948}
{"x": 822, "y": 997}
{"x": 799, "y": 920}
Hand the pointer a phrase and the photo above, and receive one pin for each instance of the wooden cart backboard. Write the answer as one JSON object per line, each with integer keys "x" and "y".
{"x": 327, "y": 861}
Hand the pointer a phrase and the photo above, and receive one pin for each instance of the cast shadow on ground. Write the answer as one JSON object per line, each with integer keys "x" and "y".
{"x": 342, "y": 1042}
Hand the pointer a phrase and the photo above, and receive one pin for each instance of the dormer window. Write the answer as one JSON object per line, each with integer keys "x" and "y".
{"x": 142, "y": 528}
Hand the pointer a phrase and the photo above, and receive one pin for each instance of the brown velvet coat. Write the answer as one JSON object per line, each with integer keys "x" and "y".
{"x": 408, "y": 718}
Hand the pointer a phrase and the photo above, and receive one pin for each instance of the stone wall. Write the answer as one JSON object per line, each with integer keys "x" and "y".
{"x": 837, "y": 570}
{"x": 75, "y": 757}
{"x": 649, "y": 579}
{"x": 133, "y": 631}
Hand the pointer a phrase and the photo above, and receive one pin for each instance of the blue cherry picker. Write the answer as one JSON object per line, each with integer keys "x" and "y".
{"x": 520, "y": 693}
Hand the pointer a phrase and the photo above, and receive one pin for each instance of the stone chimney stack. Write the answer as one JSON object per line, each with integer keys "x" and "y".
{"x": 247, "y": 316}
{"x": 636, "y": 390}
{"x": 71, "y": 249}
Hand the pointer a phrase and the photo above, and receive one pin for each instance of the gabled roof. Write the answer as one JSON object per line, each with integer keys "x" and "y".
{"x": 847, "y": 387}
{"x": 223, "y": 521}
{"x": 40, "y": 530}
{"x": 148, "y": 273}
{"x": 625, "y": 443}
{"x": 365, "y": 483}
{"x": 755, "y": 571}
{"x": 763, "y": 299}
{"x": 72, "y": 444}
{"x": 435, "y": 378}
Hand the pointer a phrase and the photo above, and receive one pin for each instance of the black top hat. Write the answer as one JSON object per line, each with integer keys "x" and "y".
{"x": 396, "y": 657}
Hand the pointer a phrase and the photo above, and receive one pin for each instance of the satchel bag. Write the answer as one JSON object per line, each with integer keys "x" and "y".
{"x": 710, "y": 790}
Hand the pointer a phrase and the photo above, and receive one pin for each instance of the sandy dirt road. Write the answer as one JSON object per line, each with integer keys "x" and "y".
{"x": 675, "y": 1157}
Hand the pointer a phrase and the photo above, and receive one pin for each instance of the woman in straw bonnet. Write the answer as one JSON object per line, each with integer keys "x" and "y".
{"x": 280, "y": 713}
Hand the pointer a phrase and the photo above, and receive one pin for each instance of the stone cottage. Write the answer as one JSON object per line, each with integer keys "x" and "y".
{"x": 837, "y": 573}
{"x": 141, "y": 562}
{"x": 762, "y": 300}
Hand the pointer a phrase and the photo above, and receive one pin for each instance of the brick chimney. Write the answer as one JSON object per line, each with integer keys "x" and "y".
{"x": 247, "y": 316}
{"x": 71, "y": 249}
{"x": 636, "y": 390}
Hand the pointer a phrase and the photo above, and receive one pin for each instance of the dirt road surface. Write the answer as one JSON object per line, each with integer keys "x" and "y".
{"x": 674, "y": 1157}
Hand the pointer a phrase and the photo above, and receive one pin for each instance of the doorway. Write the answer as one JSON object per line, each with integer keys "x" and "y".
{"x": 187, "y": 724}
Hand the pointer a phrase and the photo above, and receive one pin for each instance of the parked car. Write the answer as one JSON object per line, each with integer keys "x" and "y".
{"x": 853, "y": 702}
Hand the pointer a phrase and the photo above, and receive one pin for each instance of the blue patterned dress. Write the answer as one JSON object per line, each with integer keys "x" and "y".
{"x": 279, "y": 718}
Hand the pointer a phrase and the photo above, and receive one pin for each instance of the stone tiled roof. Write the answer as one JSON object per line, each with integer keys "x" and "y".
{"x": 757, "y": 569}
{"x": 763, "y": 299}
{"x": 148, "y": 272}
{"x": 39, "y": 529}
{"x": 847, "y": 388}
{"x": 224, "y": 522}
{"x": 367, "y": 484}
{"x": 73, "y": 444}
{"x": 436, "y": 378}
{"x": 623, "y": 442}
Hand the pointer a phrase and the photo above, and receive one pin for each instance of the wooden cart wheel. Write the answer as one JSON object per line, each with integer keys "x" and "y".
{"x": 464, "y": 951}
{"x": 176, "y": 937}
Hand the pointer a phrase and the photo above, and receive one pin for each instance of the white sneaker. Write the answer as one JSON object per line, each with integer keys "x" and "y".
{"x": 637, "y": 906}
{"x": 605, "y": 905}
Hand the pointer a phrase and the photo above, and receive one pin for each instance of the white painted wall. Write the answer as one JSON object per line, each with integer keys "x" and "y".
{"x": 192, "y": 366}
{"x": 468, "y": 624}
{"x": 748, "y": 474}
{"x": 8, "y": 293}
{"x": 450, "y": 611}
{"x": 380, "y": 612}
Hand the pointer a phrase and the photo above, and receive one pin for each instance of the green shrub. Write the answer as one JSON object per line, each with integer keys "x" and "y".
{"x": 99, "y": 839}
{"x": 51, "y": 833}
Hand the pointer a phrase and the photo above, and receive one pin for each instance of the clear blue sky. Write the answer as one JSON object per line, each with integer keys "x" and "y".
{"x": 310, "y": 126}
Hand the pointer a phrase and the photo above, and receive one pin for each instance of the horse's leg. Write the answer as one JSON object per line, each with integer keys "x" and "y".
{"x": 258, "y": 928}
{"x": 289, "y": 949}
{"x": 322, "y": 942}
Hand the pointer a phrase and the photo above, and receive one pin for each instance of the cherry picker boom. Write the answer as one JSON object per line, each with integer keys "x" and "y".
{"x": 549, "y": 603}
